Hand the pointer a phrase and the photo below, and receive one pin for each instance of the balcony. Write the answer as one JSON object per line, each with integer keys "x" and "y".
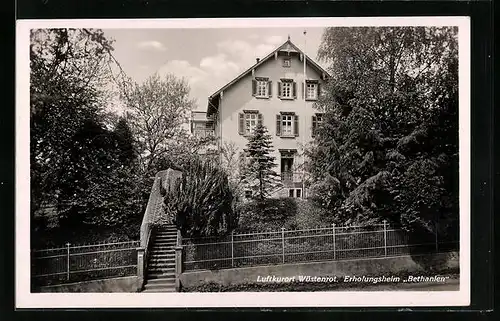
{"x": 204, "y": 132}
{"x": 290, "y": 179}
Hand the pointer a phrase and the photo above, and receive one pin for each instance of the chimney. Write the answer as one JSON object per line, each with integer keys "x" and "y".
{"x": 257, "y": 59}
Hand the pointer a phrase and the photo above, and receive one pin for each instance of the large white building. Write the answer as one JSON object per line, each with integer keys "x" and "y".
{"x": 278, "y": 91}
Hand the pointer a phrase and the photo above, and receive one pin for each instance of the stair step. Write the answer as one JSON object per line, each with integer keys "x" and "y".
{"x": 161, "y": 275}
{"x": 159, "y": 270}
{"x": 162, "y": 254}
{"x": 160, "y": 290}
{"x": 165, "y": 241}
{"x": 160, "y": 282}
{"x": 162, "y": 257}
{"x": 162, "y": 263}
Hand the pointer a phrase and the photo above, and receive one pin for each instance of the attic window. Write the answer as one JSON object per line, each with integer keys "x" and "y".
{"x": 287, "y": 62}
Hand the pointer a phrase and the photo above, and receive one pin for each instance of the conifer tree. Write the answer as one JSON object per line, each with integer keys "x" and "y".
{"x": 258, "y": 170}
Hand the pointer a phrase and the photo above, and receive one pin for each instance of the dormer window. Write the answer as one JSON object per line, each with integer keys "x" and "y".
{"x": 261, "y": 87}
{"x": 287, "y": 62}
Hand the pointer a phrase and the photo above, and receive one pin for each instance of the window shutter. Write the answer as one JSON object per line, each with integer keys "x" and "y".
{"x": 260, "y": 119}
{"x": 294, "y": 89}
{"x": 296, "y": 125}
{"x": 254, "y": 87}
{"x": 278, "y": 125}
{"x": 303, "y": 90}
{"x": 241, "y": 124}
{"x": 270, "y": 88}
{"x": 279, "y": 89}
{"x": 314, "y": 124}
{"x": 319, "y": 90}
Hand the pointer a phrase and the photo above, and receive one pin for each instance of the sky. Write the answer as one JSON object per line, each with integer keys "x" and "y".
{"x": 207, "y": 58}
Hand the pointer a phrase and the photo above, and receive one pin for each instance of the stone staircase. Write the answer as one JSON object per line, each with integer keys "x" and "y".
{"x": 160, "y": 272}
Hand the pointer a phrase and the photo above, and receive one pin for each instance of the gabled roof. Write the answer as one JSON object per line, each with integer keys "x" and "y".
{"x": 287, "y": 46}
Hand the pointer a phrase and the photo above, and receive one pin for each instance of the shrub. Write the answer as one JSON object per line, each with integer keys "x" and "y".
{"x": 201, "y": 201}
{"x": 267, "y": 214}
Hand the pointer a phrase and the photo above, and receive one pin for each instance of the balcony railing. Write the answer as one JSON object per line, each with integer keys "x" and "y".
{"x": 291, "y": 177}
{"x": 204, "y": 132}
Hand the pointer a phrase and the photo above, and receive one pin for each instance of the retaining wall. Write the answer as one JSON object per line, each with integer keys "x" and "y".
{"x": 123, "y": 284}
{"x": 369, "y": 267}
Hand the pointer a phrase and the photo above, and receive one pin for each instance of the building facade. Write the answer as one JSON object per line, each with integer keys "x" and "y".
{"x": 278, "y": 91}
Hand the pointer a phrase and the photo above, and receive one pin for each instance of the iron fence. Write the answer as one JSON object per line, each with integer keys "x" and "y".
{"x": 309, "y": 245}
{"x": 85, "y": 262}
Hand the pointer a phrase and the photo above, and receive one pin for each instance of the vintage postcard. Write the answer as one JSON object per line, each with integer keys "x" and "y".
{"x": 298, "y": 162}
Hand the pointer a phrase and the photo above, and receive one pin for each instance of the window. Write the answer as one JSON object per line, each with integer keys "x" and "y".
{"x": 287, "y": 124}
{"x": 287, "y": 89}
{"x": 261, "y": 87}
{"x": 316, "y": 122}
{"x": 248, "y": 193}
{"x": 248, "y": 120}
{"x": 250, "y": 123}
{"x": 287, "y": 62}
{"x": 295, "y": 192}
{"x": 312, "y": 90}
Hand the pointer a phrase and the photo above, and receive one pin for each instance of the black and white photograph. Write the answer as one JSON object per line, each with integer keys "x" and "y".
{"x": 268, "y": 162}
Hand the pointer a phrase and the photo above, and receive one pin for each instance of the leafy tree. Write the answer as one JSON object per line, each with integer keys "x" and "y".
{"x": 388, "y": 145}
{"x": 68, "y": 69}
{"x": 159, "y": 108}
{"x": 258, "y": 170}
{"x": 83, "y": 173}
{"x": 125, "y": 142}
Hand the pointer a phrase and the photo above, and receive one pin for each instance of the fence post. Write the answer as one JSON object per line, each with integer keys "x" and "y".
{"x": 232, "y": 249}
{"x": 67, "y": 261}
{"x": 283, "y": 242}
{"x": 333, "y": 234}
{"x": 178, "y": 261}
{"x": 385, "y": 237}
{"x": 140, "y": 268}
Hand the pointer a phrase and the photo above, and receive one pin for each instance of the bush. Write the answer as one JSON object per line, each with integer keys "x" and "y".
{"x": 268, "y": 214}
{"x": 201, "y": 201}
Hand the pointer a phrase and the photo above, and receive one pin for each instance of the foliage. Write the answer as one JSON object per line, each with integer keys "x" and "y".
{"x": 157, "y": 110}
{"x": 83, "y": 172}
{"x": 201, "y": 201}
{"x": 264, "y": 215}
{"x": 258, "y": 173}
{"x": 388, "y": 145}
{"x": 67, "y": 70}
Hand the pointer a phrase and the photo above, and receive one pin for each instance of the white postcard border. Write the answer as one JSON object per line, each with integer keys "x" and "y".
{"x": 25, "y": 299}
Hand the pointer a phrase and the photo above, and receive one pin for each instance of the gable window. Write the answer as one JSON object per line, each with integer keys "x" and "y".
{"x": 287, "y": 89}
{"x": 312, "y": 90}
{"x": 316, "y": 122}
{"x": 248, "y": 120}
{"x": 287, "y": 124}
{"x": 261, "y": 87}
{"x": 287, "y": 62}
